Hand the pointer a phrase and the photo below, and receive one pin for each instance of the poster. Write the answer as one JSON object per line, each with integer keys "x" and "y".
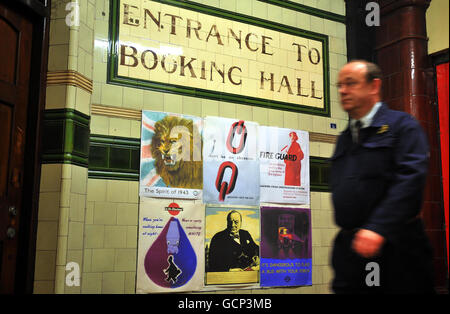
{"x": 286, "y": 250}
{"x": 171, "y": 156}
{"x": 284, "y": 162}
{"x": 171, "y": 246}
{"x": 232, "y": 240}
{"x": 231, "y": 163}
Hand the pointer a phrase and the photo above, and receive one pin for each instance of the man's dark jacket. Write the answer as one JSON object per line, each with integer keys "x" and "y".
{"x": 226, "y": 253}
{"x": 377, "y": 184}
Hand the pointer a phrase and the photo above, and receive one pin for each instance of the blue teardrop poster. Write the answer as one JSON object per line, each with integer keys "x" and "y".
{"x": 170, "y": 252}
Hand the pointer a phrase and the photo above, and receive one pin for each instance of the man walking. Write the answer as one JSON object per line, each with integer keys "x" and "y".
{"x": 378, "y": 175}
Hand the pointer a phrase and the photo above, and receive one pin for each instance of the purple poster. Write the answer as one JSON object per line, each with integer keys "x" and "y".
{"x": 286, "y": 251}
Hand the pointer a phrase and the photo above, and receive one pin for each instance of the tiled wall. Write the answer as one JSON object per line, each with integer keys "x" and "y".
{"x": 109, "y": 222}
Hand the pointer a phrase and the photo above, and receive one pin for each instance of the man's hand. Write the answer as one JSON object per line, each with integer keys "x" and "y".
{"x": 367, "y": 243}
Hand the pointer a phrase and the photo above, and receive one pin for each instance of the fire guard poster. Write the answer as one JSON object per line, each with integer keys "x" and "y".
{"x": 231, "y": 164}
{"x": 284, "y": 161}
{"x": 171, "y": 246}
{"x": 232, "y": 239}
{"x": 171, "y": 156}
{"x": 286, "y": 250}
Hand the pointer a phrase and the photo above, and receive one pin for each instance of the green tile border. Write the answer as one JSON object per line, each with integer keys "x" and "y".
{"x": 70, "y": 129}
{"x": 307, "y": 10}
{"x": 322, "y": 163}
{"x": 125, "y": 144}
{"x": 132, "y": 174}
{"x": 113, "y": 78}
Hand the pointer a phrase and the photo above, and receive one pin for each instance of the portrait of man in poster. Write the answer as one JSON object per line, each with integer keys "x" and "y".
{"x": 233, "y": 249}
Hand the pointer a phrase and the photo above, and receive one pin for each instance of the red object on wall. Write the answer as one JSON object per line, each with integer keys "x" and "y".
{"x": 442, "y": 87}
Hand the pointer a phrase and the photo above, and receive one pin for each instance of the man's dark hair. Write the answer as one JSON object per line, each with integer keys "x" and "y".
{"x": 231, "y": 212}
{"x": 373, "y": 71}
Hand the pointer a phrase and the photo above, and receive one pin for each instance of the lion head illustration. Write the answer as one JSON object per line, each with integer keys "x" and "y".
{"x": 177, "y": 148}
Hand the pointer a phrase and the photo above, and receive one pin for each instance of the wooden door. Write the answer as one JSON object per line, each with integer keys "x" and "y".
{"x": 15, "y": 58}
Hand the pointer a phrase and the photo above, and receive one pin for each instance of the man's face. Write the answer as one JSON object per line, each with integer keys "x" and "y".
{"x": 354, "y": 90}
{"x": 234, "y": 222}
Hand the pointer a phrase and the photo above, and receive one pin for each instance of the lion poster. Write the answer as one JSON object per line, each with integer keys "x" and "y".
{"x": 171, "y": 156}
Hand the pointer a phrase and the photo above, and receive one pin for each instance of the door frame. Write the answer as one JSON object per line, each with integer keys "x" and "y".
{"x": 38, "y": 12}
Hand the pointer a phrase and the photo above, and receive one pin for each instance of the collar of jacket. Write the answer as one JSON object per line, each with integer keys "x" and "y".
{"x": 379, "y": 119}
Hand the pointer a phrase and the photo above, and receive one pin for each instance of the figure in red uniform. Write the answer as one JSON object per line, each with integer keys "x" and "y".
{"x": 293, "y": 162}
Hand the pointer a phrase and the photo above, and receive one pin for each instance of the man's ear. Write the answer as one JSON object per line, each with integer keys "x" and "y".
{"x": 376, "y": 86}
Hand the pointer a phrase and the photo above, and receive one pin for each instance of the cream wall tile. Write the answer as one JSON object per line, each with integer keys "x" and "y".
{"x": 96, "y": 190}
{"x": 48, "y": 206}
{"x": 244, "y": 7}
{"x": 92, "y": 283}
{"x": 133, "y": 98}
{"x": 290, "y": 120}
{"x": 102, "y": 260}
{"x": 111, "y": 95}
{"x": 127, "y": 214}
{"x": 113, "y": 283}
{"x": 173, "y": 103}
{"x": 327, "y": 236}
{"x": 94, "y": 236}
{"x": 75, "y": 236}
{"x": 125, "y": 260}
{"x": 63, "y": 227}
{"x": 64, "y": 200}
{"x": 46, "y": 235}
{"x": 326, "y": 149}
{"x": 75, "y": 256}
{"x": 119, "y": 127}
{"x": 135, "y": 129}
{"x": 43, "y": 287}
{"x": 260, "y": 115}
{"x": 60, "y": 282}
{"x": 210, "y": 107}
{"x": 227, "y": 110}
{"x": 55, "y": 97}
{"x": 45, "y": 265}
{"x": 50, "y": 178}
{"x": 87, "y": 260}
{"x": 153, "y": 101}
{"x": 79, "y": 179}
{"x": 192, "y": 106}
{"x": 96, "y": 97}
{"x": 61, "y": 254}
{"x": 99, "y": 71}
{"x": 260, "y": 9}
{"x": 337, "y": 6}
{"x": 58, "y": 57}
{"x": 115, "y": 236}
{"x": 133, "y": 192}
{"x": 105, "y": 213}
{"x": 305, "y": 122}
{"x": 276, "y": 117}
{"x": 132, "y": 237}
{"x": 130, "y": 282}
{"x": 117, "y": 191}
{"x": 99, "y": 125}
{"x": 244, "y": 112}
{"x": 321, "y": 255}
